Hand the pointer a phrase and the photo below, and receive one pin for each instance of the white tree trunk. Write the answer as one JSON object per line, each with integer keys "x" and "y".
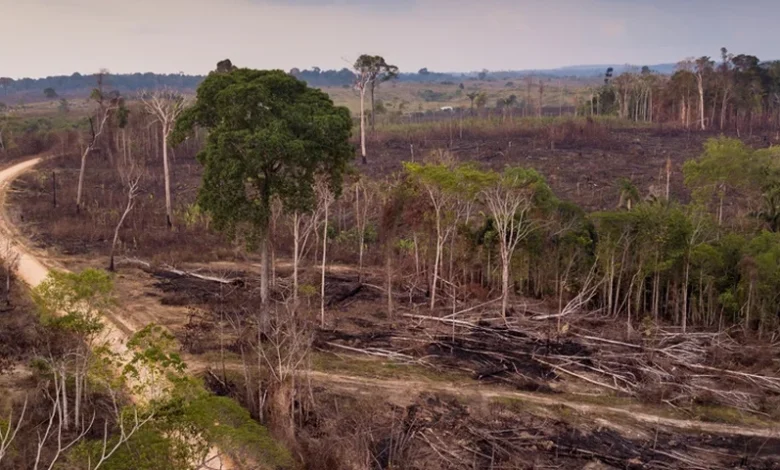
{"x": 166, "y": 171}
{"x": 264, "y": 273}
{"x": 128, "y": 208}
{"x": 439, "y": 244}
{"x": 64, "y": 417}
{"x": 324, "y": 259}
{"x": 701, "y": 102}
{"x": 504, "y": 282}
{"x": 296, "y": 255}
{"x": 80, "y": 186}
{"x": 363, "y": 125}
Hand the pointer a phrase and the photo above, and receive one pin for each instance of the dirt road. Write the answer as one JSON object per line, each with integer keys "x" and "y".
{"x": 33, "y": 268}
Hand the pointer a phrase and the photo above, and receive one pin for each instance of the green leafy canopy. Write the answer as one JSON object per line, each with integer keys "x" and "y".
{"x": 269, "y": 136}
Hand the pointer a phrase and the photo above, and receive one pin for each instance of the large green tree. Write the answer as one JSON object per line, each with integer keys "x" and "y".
{"x": 269, "y": 136}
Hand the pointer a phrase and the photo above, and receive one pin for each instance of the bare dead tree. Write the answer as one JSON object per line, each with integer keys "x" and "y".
{"x": 166, "y": 106}
{"x": 106, "y": 105}
{"x": 284, "y": 352}
{"x": 130, "y": 172}
{"x": 509, "y": 200}
{"x": 325, "y": 199}
{"x": 8, "y": 434}
{"x": 52, "y": 436}
{"x": 55, "y": 426}
{"x": 304, "y": 224}
{"x": 362, "y": 85}
{"x": 587, "y": 292}
{"x": 11, "y": 257}
{"x": 127, "y": 427}
{"x": 367, "y": 191}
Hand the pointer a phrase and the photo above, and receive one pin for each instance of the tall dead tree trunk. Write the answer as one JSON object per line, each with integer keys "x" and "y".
{"x": 700, "y": 83}
{"x": 165, "y": 106}
{"x": 326, "y": 198}
{"x": 363, "y": 157}
{"x": 96, "y": 132}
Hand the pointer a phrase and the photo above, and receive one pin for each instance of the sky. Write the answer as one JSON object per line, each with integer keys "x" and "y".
{"x": 58, "y": 37}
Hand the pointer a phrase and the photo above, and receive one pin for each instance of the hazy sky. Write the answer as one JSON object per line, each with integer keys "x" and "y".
{"x": 53, "y": 37}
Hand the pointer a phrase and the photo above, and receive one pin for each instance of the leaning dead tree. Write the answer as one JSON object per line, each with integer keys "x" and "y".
{"x": 166, "y": 106}
{"x": 107, "y": 103}
{"x": 130, "y": 172}
{"x": 9, "y": 430}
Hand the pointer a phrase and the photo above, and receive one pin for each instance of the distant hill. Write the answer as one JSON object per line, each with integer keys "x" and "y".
{"x": 78, "y": 85}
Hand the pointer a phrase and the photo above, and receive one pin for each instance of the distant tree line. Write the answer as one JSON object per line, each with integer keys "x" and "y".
{"x": 51, "y": 86}
{"x": 736, "y": 92}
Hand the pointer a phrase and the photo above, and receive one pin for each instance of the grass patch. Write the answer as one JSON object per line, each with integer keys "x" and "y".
{"x": 380, "y": 369}
{"x": 600, "y": 400}
{"x": 726, "y": 415}
{"x": 215, "y": 357}
{"x": 515, "y": 405}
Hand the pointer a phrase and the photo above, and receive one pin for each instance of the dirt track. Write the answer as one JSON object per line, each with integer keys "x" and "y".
{"x": 32, "y": 268}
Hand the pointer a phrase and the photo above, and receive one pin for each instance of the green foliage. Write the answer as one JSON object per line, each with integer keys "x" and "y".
{"x": 376, "y": 67}
{"x": 464, "y": 180}
{"x": 769, "y": 213}
{"x": 761, "y": 277}
{"x": 155, "y": 353}
{"x": 725, "y": 163}
{"x": 149, "y": 449}
{"x": 183, "y": 429}
{"x": 229, "y": 425}
{"x": 629, "y": 193}
{"x": 308, "y": 290}
{"x": 74, "y": 301}
{"x": 353, "y": 235}
{"x": 192, "y": 215}
{"x": 269, "y": 136}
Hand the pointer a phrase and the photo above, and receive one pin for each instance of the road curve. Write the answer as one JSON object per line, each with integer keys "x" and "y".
{"x": 29, "y": 268}
{"x": 33, "y": 270}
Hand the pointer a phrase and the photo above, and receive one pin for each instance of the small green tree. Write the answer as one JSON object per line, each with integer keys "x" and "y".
{"x": 726, "y": 164}
{"x": 50, "y": 93}
{"x": 71, "y": 305}
{"x": 269, "y": 136}
{"x": 451, "y": 191}
{"x": 510, "y": 197}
